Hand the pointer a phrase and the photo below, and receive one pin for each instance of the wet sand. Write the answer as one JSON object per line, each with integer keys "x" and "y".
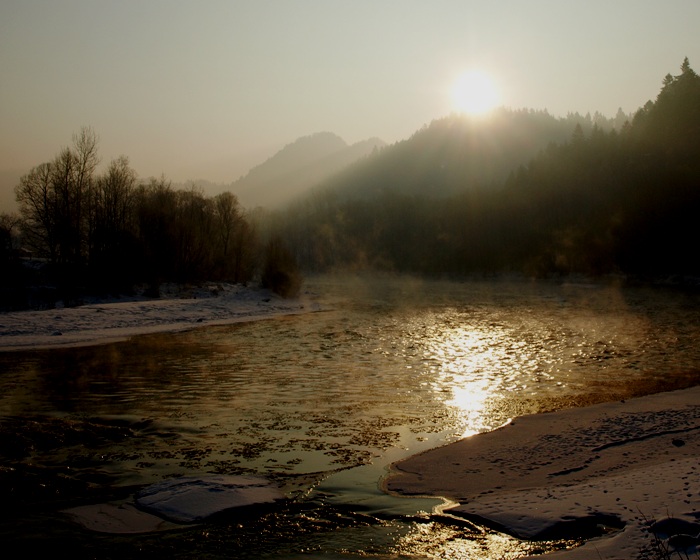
{"x": 619, "y": 464}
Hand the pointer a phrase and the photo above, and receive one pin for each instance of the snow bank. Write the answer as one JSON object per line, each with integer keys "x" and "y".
{"x": 100, "y": 322}
{"x": 574, "y": 472}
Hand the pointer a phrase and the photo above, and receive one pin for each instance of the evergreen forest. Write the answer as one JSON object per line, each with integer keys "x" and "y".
{"x": 521, "y": 192}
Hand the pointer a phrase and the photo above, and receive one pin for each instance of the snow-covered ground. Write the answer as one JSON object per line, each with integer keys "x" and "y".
{"x": 175, "y": 310}
{"x": 542, "y": 476}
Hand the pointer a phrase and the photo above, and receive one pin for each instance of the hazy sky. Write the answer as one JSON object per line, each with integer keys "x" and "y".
{"x": 206, "y": 89}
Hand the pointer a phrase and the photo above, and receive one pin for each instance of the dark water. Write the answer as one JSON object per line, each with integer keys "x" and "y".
{"x": 321, "y": 403}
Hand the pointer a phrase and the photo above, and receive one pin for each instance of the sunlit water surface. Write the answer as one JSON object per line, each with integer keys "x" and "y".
{"x": 323, "y": 403}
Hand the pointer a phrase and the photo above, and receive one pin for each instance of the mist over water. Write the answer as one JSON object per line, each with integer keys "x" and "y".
{"x": 323, "y": 402}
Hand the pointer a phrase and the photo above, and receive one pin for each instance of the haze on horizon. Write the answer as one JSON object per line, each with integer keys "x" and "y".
{"x": 208, "y": 90}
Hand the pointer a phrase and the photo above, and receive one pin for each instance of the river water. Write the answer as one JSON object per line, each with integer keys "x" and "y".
{"x": 322, "y": 403}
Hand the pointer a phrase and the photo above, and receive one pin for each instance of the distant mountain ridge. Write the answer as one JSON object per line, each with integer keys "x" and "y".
{"x": 459, "y": 152}
{"x": 298, "y": 167}
{"x": 520, "y": 192}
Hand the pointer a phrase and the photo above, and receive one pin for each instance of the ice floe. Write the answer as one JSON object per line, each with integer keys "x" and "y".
{"x": 172, "y": 503}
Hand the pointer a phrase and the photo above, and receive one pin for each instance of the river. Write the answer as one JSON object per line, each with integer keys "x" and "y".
{"x": 322, "y": 403}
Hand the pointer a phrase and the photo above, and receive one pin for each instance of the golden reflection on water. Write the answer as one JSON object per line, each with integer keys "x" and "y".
{"x": 466, "y": 359}
{"x": 471, "y": 400}
{"x": 439, "y": 541}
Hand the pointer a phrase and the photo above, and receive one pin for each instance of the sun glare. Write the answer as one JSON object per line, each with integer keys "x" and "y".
{"x": 474, "y": 93}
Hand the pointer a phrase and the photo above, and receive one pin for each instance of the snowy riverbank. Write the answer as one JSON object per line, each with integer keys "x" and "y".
{"x": 176, "y": 310}
{"x": 620, "y": 464}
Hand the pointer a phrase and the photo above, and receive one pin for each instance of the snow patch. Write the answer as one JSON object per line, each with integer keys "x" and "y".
{"x": 108, "y": 321}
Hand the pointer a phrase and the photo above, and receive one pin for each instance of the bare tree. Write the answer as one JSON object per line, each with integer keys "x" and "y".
{"x": 54, "y": 200}
{"x": 112, "y": 226}
{"x": 79, "y": 188}
{"x": 9, "y": 232}
{"x": 228, "y": 214}
{"x": 37, "y": 203}
{"x": 112, "y": 203}
{"x": 228, "y": 226}
{"x": 194, "y": 221}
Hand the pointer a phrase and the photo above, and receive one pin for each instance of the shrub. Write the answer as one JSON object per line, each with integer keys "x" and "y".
{"x": 280, "y": 270}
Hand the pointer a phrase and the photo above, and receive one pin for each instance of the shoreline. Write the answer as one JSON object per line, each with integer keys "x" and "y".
{"x": 550, "y": 475}
{"x": 105, "y": 322}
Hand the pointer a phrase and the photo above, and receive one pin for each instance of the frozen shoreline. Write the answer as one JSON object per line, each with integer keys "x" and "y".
{"x": 103, "y": 322}
{"x": 634, "y": 460}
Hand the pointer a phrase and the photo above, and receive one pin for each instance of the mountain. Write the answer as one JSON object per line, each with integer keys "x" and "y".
{"x": 579, "y": 197}
{"x": 458, "y": 152}
{"x": 298, "y": 167}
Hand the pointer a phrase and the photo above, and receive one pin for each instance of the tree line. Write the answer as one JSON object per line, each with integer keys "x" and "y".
{"x": 610, "y": 198}
{"x": 104, "y": 233}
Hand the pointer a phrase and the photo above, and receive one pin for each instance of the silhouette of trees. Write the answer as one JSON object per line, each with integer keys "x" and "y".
{"x": 55, "y": 203}
{"x": 39, "y": 208}
{"x": 236, "y": 239}
{"x": 72, "y": 182}
{"x": 280, "y": 271}
{"x": 12, "y": 278}
{"x": 186, "y": 237}
{"x": 106, "y": 232}
{"x": 111, "y": 225}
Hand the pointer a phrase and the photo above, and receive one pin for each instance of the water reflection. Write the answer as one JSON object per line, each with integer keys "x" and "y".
{"x": 463, "y": 360}
{"x": 451, "y": 542}
{"x": 323, "y": 402}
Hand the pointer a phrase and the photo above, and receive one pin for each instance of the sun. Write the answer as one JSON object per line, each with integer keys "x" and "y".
{"x": 474, "y": 93}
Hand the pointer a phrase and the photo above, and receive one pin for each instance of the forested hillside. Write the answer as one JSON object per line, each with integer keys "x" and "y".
{"x": 459, "y": 152}
{"x": 448, "y": 200}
